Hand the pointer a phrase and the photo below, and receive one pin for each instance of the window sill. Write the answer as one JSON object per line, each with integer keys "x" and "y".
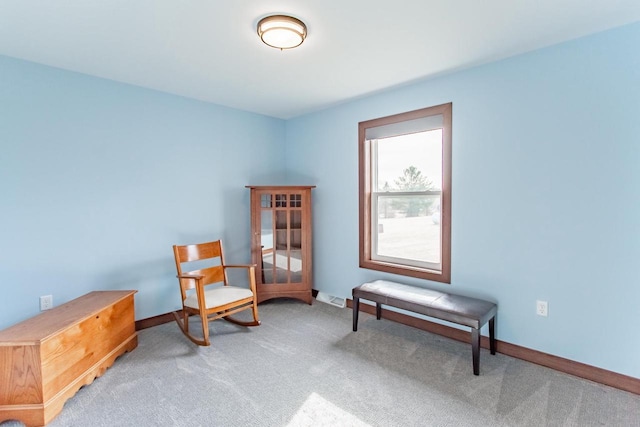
{"x": 403, "y": 270}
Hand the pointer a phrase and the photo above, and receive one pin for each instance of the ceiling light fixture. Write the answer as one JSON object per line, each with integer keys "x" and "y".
{"x": 282, "y": 31}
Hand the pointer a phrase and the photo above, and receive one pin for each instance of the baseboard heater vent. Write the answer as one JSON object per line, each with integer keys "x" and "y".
{"x": 330, "y": 299}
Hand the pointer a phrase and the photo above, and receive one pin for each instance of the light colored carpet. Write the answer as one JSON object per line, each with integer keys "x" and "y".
{"x": 305, "y": 367}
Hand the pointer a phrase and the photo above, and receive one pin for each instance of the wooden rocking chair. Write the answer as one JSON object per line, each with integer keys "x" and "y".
{"x": 206, "y": 292}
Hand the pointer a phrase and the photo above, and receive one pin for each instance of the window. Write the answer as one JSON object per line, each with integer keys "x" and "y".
{"x": 405, "y": 193}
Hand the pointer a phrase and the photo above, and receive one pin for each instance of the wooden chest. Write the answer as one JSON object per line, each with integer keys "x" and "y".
{"x": 46, "y": 359}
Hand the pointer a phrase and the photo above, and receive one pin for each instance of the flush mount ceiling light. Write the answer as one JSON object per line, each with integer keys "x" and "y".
{"x": 282, "y": 31}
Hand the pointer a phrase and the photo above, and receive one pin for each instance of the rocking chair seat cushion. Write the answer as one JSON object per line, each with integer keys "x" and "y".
{"x": 219, "y": 296}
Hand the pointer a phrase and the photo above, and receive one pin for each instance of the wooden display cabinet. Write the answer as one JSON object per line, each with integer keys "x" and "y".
{"x": 281, "y": 241}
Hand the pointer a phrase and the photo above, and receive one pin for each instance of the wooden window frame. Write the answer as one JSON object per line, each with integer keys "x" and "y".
{"x": 365, "y": 191}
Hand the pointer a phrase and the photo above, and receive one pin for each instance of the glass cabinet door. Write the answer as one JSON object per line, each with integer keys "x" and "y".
{"x": 266, "y": 236}
{"x": 281, "y": 237}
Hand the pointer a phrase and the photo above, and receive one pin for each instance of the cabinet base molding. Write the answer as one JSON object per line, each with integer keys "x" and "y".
{"x": 41, "y": 414}
{"x": 304, "y": 296}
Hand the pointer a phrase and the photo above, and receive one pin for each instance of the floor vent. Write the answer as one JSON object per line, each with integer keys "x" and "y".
{"x": 330, "y": 299}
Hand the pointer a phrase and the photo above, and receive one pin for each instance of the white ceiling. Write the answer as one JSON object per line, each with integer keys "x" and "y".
{"x": 209, "y": 49}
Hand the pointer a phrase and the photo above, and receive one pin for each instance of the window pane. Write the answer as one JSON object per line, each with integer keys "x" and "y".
{"x": 408, "y": 227}
{"x": 266, "y": 239}
{"x": 409, "y": 162}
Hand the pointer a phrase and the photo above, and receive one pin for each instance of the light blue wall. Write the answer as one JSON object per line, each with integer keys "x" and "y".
{"x": 546, "y": 193}
{"x": 99, "y": 179}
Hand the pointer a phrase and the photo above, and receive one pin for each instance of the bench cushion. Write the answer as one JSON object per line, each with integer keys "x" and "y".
{"x": 458, "y": 309}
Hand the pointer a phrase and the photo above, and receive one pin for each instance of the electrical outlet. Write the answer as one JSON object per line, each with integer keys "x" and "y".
{"x": 542, "y": 308}
{"x": 46, "y": 302}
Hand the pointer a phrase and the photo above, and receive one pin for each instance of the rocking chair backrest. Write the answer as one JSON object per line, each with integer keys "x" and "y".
{"x": 199, "y": 251}
{"x": 211, "y": 251}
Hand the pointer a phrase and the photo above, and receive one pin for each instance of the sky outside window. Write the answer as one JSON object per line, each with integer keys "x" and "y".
{"x": 422, "y": 150}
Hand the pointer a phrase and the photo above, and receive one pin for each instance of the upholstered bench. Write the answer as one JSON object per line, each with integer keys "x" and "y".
{"x": 462, "y": 310}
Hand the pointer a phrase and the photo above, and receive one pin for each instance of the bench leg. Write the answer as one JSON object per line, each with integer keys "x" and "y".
{"x": 475, "y": 349}
{"x": 378, "y": 310}
{"x": 356, "y": 307}
{"x": 492, "y": 334}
